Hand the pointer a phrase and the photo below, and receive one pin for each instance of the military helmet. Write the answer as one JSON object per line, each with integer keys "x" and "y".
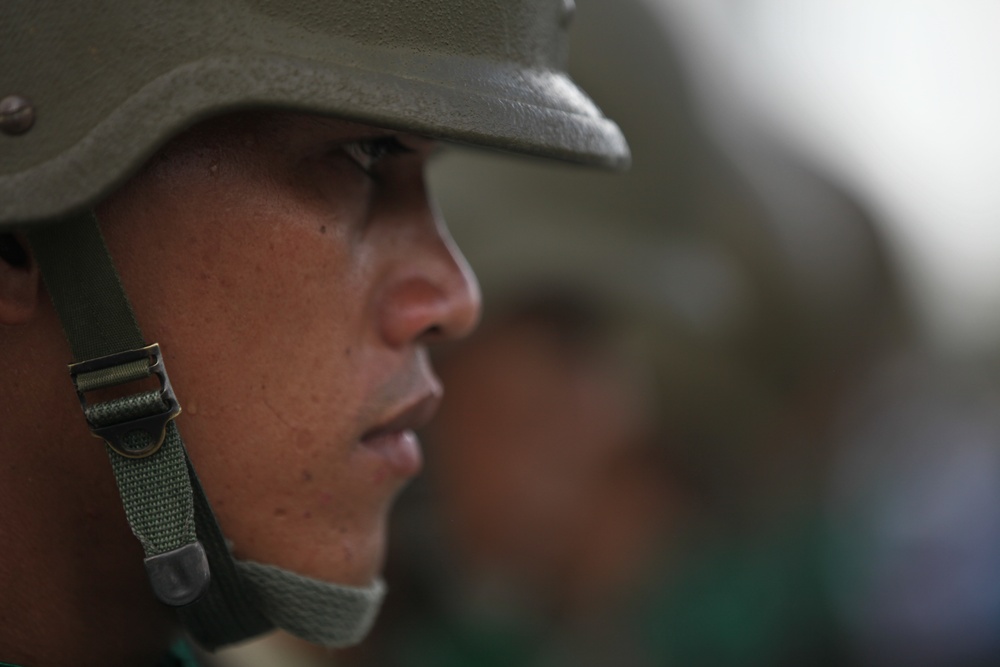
{"x": 89, "y": 90}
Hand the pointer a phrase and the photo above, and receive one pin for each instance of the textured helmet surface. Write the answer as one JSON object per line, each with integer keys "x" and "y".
{"x": 109, "y": 82}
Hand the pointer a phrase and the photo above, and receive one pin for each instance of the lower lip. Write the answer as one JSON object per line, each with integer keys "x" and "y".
{"x": 399, "y": 450}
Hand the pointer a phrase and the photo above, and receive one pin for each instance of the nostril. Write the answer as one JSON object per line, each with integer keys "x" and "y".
{"x": 433, "y": 334}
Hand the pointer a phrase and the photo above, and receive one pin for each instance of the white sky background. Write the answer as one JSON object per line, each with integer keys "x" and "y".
{"x": 900, "y": 100}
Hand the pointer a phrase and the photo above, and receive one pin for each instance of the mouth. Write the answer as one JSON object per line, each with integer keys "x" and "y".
{"x": 395, "y": 440}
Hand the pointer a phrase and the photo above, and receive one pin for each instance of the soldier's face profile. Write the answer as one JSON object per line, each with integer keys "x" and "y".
{"x": 293, "y": 270}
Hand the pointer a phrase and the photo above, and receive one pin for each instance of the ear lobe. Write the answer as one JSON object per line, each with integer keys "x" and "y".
{"x": 20, "y": 281}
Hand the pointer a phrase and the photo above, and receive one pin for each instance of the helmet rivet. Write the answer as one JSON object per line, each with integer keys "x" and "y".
{"x": 17, "y": 115}
{"x": 568, "y": 11}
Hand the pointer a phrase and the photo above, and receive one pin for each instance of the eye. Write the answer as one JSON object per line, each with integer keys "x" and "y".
{"x": 367, "y": 153}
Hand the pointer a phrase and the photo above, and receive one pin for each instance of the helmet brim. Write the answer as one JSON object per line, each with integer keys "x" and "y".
{"x": 536, "y": 112}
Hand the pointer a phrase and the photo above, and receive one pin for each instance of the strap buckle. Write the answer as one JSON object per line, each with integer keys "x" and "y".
{"x": 119, "y": 421}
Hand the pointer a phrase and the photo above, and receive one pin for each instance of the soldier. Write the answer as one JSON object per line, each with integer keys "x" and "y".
{"x": 250, "y": 175}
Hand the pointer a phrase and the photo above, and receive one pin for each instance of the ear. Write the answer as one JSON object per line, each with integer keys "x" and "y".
{"x": 19, "y": 281}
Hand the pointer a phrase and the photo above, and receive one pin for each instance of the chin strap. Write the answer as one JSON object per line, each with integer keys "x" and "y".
{"x": 138, "y": 429}
{"x": 188, "y": 561}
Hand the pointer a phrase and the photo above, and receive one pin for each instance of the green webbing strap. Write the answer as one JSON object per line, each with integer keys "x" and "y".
{"x": 163, "y": 499}
{"x": 155, "y": 490}
{"x": 98, "y": 321}
{"x": 228, "y": 612}
{"x": 84, "y": 287}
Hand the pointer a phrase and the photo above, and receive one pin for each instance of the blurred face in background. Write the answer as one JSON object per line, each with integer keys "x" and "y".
{"x": 538, "y": 458}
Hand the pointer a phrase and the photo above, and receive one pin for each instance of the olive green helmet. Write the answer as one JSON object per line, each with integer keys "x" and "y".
{"x": 90, "y": 89}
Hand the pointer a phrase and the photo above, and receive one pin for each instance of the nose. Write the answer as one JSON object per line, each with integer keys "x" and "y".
{"x": 432, "y": 295}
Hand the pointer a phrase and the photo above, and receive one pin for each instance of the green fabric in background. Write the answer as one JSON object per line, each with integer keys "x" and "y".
{"x": 180, "y": 655}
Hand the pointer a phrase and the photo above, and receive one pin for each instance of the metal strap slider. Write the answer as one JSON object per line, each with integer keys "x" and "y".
{"x": 134, "y": 425}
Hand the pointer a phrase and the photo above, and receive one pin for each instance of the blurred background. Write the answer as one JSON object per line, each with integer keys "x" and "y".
{"x": 737, "y": 407}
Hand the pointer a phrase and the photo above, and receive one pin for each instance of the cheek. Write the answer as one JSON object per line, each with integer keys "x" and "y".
{"x": 259, "y": 304}
{"x": 273, "y": 343}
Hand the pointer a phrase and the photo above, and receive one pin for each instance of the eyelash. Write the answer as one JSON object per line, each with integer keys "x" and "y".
{"x": 367, "y": 153}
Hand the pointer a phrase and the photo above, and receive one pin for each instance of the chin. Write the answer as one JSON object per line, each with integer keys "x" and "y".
{"x": 353, "y": 558}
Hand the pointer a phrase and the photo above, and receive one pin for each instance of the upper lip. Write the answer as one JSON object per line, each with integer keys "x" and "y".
{"x": 414, "y": 416}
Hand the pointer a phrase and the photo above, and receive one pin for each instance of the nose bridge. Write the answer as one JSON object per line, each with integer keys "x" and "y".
{"x": 435, "y": 295}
